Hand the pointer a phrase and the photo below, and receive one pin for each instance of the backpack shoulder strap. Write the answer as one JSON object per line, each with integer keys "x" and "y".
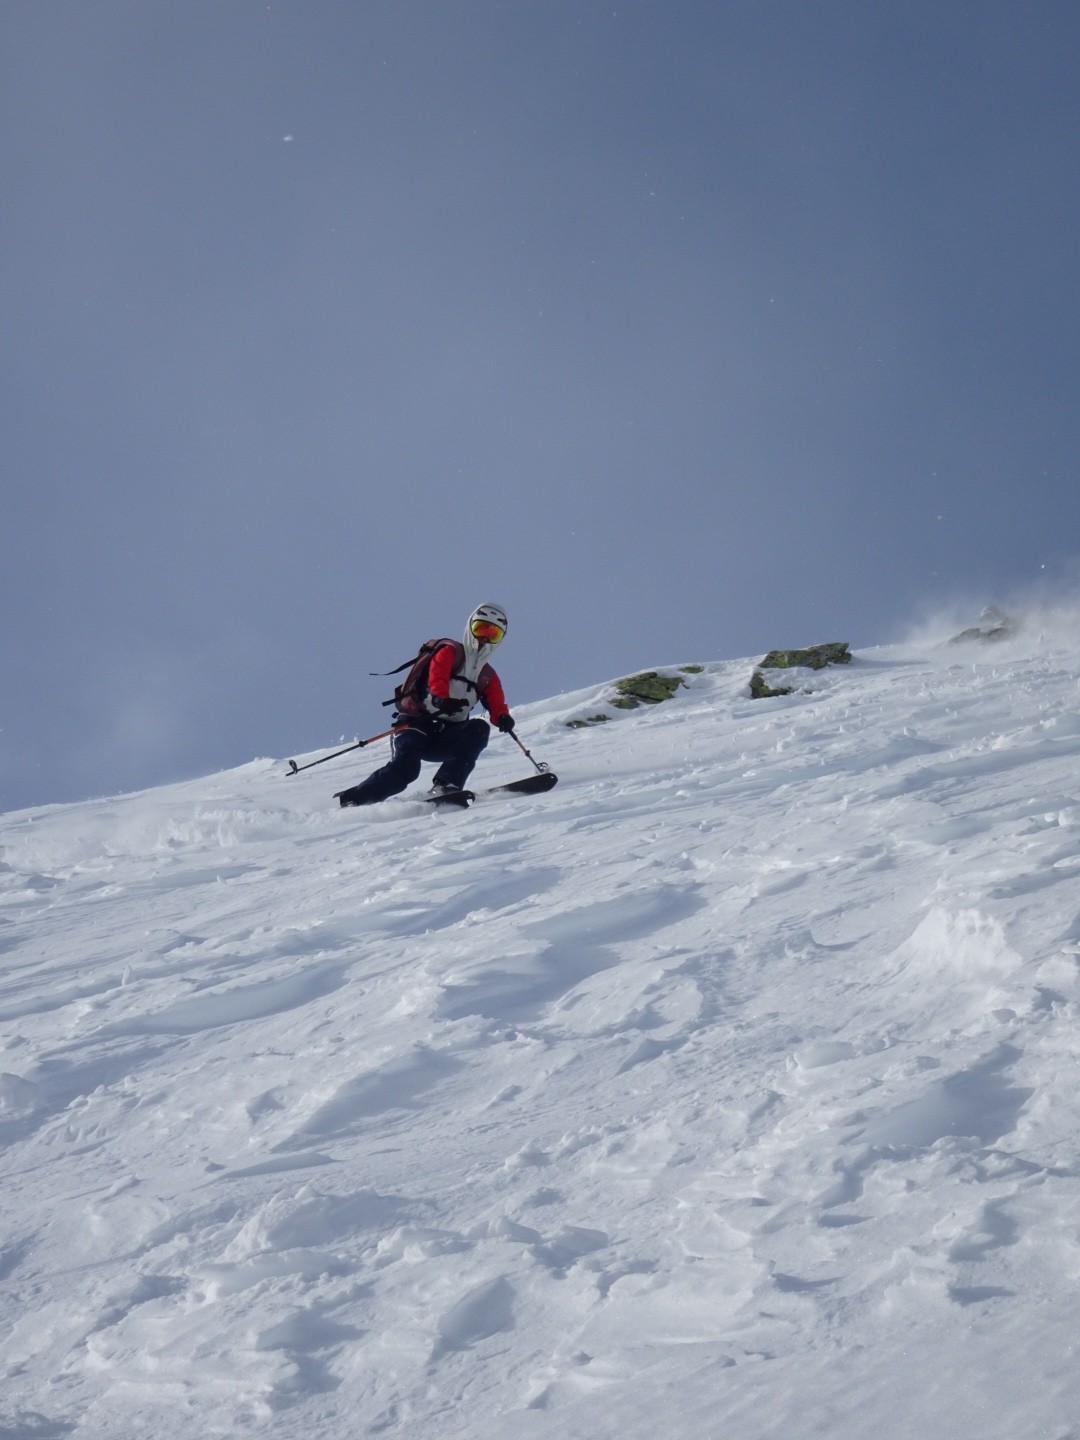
{"x": 398, "y": 668}
{"x": 427, "y": 648}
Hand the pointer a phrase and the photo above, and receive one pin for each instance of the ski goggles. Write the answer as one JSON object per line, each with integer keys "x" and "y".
{"x": 487, "y": 631}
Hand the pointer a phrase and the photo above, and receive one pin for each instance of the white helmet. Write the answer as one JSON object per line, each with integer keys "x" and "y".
{"x": 486, "y": 627}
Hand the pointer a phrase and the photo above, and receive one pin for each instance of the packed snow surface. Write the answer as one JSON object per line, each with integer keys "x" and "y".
{"x": 728, "y": 1089}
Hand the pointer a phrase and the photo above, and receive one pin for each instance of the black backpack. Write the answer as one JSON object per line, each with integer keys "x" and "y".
{"x": 410, "y": 695}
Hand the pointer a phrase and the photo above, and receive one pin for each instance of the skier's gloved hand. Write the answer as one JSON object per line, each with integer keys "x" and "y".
{"x": 450, "y": 706}
{"x": 505, "y": 723}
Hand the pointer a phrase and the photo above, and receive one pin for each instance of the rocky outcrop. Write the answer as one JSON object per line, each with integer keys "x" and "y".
{"x": 763, "y": 684}
{"x": 993, "y": 625}
{"x": 649, "y": 687}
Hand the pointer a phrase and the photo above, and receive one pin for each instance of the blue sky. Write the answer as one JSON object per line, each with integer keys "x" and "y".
{"x": 683, "y": 331}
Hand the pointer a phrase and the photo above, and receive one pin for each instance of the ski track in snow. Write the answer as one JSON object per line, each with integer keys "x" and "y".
{"x": 728, "y": 1088}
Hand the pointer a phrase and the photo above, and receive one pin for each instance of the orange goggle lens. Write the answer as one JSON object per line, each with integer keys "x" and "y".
{"x": 487, "y": 631}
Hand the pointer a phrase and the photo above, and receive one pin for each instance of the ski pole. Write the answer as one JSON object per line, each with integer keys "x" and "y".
{"x": 294, "y": 768}
{"x": 543, "y": 769}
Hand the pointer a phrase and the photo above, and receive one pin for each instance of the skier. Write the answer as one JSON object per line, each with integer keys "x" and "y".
{"x": 433, "y": 704}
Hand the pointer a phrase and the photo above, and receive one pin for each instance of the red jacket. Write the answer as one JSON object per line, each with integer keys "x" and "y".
{"x": 488, "y": 685}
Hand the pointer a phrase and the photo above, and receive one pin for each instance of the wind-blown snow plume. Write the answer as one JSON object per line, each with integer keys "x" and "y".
{"x": 1047, "y": 612}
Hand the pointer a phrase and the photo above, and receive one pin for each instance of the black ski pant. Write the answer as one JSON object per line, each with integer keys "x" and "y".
{"x": 457, "y": 745}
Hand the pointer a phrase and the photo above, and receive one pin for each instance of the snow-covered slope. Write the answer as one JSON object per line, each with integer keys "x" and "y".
{"x": 728, "y": 1089}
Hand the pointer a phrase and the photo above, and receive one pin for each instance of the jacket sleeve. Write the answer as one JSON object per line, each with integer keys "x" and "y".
{"x": 441, "y": 672}
{"x": 491, "y": 693}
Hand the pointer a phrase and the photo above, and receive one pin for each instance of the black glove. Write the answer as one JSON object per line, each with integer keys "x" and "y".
{"x": 505, "y": 723}
{"x": 450, "y": 707}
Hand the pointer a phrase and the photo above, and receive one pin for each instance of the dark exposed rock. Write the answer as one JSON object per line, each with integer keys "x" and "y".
{"x": 650, "y": 687}
{"x": 760, "y": 689}
{"x": 815, "y": 657}
{"x": 993, "y": 625}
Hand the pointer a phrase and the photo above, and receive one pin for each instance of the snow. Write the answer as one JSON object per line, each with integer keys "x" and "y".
{"x": 730, "y": 1088}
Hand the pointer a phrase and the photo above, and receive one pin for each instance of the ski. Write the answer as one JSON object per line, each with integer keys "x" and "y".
{"x": 531, "y": 785}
